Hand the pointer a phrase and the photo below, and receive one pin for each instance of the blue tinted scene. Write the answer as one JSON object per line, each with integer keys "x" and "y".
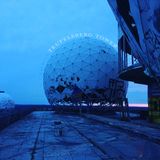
{"x": 80, "y": 80}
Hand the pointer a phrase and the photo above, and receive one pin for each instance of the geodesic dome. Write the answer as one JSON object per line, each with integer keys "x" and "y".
{"x": 79, "y": 70}
{"x": 6, "y": 101}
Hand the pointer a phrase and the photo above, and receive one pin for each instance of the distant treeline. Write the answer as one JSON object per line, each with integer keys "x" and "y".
{"x": 9, "y": 116}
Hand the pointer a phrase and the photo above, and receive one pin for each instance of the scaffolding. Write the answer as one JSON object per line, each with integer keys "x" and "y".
{"x": 118, "y": 97}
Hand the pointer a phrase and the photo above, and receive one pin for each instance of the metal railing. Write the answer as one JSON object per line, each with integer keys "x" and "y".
{"x": 125, "y": 58}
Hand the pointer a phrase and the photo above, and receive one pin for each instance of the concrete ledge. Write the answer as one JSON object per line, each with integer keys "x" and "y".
{"x": 146, "y": 132}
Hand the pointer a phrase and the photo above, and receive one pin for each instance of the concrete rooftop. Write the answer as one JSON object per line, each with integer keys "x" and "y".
{"x": 35, "y": 138}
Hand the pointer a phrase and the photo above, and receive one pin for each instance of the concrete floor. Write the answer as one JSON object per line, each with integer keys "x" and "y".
{"x": 34, "y": 138}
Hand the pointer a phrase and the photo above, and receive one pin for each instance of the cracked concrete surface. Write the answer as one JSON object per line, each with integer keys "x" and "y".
{"x": 33, "y": 138}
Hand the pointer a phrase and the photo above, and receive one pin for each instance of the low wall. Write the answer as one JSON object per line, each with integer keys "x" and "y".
{"x": 8, "y": 116}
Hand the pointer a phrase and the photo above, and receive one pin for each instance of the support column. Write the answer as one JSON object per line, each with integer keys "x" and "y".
{"x": 154, "y": 102}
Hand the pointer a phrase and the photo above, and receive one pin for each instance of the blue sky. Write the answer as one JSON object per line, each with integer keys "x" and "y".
{"x": 29, "y": 28}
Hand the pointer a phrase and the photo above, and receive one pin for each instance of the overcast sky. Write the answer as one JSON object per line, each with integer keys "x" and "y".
{"x": 28, "y": 28}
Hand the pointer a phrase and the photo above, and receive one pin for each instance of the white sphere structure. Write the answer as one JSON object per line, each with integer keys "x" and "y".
{"x": 79, "y": 70}
{"x": 6, "y": 101}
